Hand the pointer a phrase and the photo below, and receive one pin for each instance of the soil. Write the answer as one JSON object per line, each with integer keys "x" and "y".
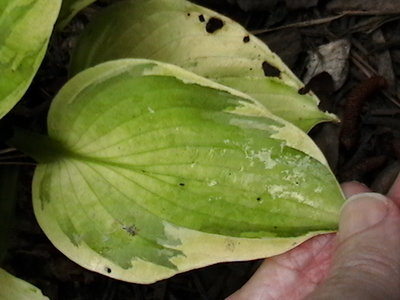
{"x": 365, "y": 146}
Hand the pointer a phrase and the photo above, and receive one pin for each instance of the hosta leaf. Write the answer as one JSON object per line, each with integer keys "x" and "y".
{"x": 69, "y": 9}
{"x": 202, "y": 41}
{"x": 13, "y": 288}
{"x": 151, "y": 170}
{"x": 25, "y": 29}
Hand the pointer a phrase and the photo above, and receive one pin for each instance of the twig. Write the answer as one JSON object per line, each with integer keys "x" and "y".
{"x": 7, "y": 150}
{"x": 299, "y": 24}
{"x": 373, "y": 24}
{"x": 325, "y": 20}
{"x": 362, "y": 64}
{"x": 391, "y": 98}
{"x": 356, "y": 44}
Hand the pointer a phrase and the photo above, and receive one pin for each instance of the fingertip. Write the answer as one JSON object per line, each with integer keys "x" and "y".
{"x": 360, "y": 212}
{"x": 354, "y": 187}
{"x": 367, "y": 250}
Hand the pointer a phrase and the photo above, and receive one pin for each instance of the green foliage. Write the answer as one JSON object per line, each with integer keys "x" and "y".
{"x": 25, "y": 29}
{"x": 69, "y": 9}
{"x": 13, "y": 288}
{"x": 202, "y": 41}
{"x": 153, "y": 166}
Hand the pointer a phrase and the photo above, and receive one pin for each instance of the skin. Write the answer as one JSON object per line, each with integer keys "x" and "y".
{"x": 361, "y": 261}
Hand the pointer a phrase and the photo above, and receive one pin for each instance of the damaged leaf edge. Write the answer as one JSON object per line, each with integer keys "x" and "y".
{"x": 195, "y": 245}
{"x": 297, "y": 139}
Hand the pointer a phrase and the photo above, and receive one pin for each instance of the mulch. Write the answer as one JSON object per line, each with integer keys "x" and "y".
{"x": 365, "y": 146}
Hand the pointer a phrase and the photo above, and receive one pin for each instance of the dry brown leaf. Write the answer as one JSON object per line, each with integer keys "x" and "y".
{"x": 331, "y": 58}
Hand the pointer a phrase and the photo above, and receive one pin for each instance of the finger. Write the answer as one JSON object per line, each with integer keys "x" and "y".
{"x": 394, "y": 191}
{"x": 353, "y": 188}
{"x": 291, "y": 275}
{"x": 366, "y": 264}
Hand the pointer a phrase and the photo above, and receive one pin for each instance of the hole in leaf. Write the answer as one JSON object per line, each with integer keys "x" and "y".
{"x": 214, "y": 24}
{"x": 108, "y": 270}
{"x": 258, "y": 198}
{"x": 270, "y": 70}
{"x": 320, "y": 84}
{"x": 304, "y": 90}
{"x": 202, "y": 19}
{"x": 246, "y": 39}
{"x": 182, "y": 184}
{"x": 188, "y": 14}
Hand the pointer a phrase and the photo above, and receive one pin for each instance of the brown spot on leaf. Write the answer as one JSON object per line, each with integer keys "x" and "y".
{"x": 132, "y": 230}
{"x": 214, "y": 24}
{"x": 270, "y": 70}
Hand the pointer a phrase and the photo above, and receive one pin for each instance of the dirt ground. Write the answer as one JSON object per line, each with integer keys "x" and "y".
{"x": 360, "y": 84}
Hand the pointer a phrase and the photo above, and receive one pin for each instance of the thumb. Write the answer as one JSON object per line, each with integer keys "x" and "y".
{"x": 366, "y": 264}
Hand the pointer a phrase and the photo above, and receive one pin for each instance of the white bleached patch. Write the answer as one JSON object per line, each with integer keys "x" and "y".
{"x": 264, "y": 156}
{"x": 212, "y": 183}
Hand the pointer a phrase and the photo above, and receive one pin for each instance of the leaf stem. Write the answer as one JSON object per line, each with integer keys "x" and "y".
{"x": 41, "y": 148}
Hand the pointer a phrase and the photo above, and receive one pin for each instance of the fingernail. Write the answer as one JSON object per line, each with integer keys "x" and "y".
{"x": 360, "y": 212}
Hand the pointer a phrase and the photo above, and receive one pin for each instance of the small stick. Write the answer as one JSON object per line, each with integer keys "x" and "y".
{"x": 326, "y": 20}
{"x": 7, "y": 150}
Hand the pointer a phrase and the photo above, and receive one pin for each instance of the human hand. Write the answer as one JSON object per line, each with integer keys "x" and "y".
{"x": 362, "y": 261}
